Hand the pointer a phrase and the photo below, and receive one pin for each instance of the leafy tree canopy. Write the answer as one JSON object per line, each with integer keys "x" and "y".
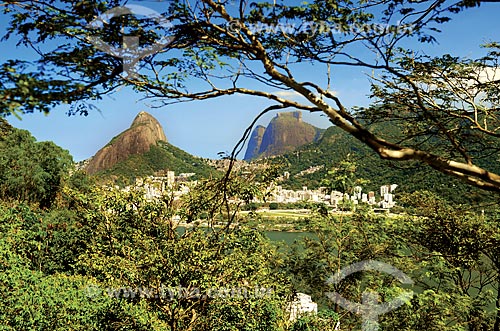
{"x": 31, "y": 171}
{"x": 446, "y": 107}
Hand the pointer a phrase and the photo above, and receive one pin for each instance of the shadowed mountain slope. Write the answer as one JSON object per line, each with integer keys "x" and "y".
{"x": 284, "y": 133}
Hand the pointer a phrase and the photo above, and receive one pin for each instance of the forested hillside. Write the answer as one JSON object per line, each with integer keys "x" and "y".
{"x": 335, "y": 146}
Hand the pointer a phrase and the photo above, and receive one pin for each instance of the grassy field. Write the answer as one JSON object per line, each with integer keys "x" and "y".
{"x": 282, "y": 213}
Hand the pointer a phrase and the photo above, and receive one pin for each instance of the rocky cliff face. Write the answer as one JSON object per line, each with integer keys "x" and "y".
{"x": 284, "y": 133}
{"x": 255, "y": 142}
{"x": 144, "y": 132}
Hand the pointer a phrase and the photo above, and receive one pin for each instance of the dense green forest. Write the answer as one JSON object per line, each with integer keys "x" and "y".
{"x": 77, "y": 256}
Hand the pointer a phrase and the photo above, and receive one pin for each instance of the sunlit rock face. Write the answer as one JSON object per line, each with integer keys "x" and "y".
{"x": 144, "y": 132}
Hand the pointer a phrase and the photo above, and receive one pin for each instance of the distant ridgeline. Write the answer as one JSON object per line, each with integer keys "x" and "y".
{"x": 284, "y": 133}
{"x": 309, "y": 164}
{"x": 140, "y": 151}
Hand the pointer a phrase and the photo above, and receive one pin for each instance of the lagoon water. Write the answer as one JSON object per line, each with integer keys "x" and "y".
{"x": 287, "y": 237}
{"x": 276, "y": 236}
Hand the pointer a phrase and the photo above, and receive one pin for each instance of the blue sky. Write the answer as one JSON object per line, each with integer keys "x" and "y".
{"x": 205, "y": 128}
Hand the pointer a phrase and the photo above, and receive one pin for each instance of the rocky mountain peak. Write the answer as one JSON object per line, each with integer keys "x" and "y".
{"x": 144, "y": 132}
{"x": 295, "y": 114}
{"x": 285, "y": 133}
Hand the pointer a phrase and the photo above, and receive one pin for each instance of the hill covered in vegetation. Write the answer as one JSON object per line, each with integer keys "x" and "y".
{"x": 160, "y": 157}
{"x": 142, "y": 150}
{"x": 309, "y": 165}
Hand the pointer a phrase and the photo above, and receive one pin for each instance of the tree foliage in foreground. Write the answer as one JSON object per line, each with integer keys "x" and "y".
{"x": 31, "y": 171}
{"x": 103, "y": 259}
{"x": 446, "y": 107}
{"x": 114, "y": 261}
{"x": 449, "y": 253}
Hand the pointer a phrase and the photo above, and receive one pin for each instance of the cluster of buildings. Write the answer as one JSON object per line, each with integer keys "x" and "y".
{"x": 385, "y": 200}
{"x": 157, "y": 186}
